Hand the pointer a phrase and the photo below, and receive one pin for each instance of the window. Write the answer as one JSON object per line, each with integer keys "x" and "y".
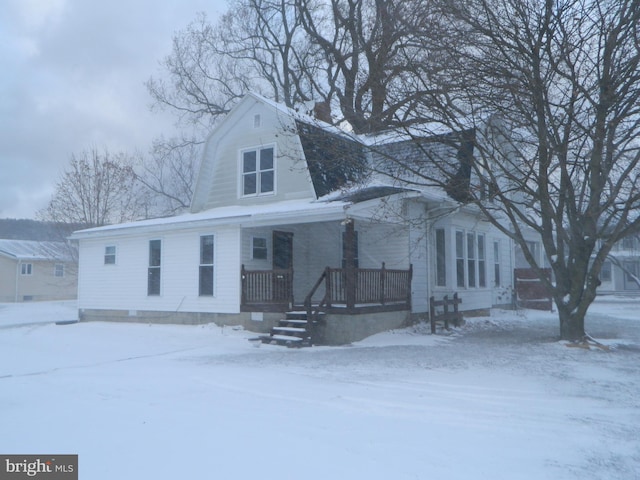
{"x": 605, "y": 272}
{"x": 471, "y": 259}
{"x": 630, "y": 272}
{"x": 58, "y": 270}
{"x": 627, "y": 243}
{"x": 496, "y": 263}
{"x": 155, "y": 258}
{"x": 482, "y": 275}
{"x": 534, "y": 248}
{"x": 259, "y": 248}
{"x": 460, "y": 259}
{"x": 110, "y": 255}
{"x": 441, "y": 259}
{"x": 206, "y": 265}
{"x": 257, "y": 171}
{"x": 26, "y": 268}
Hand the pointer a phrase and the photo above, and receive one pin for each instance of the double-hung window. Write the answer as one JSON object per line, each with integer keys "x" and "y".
{"x": 258, "y": 172}
{"x": 58, "y": 270}
{"x": 496, "y": 263}
{"x": 470, "y": 260}
{"x": 206, "y": 266}
{"x": 110, "y": 255}
{"x": 460, "y": 270}
{"x": 259, "y": 249}
{"x": 155, "y": 259}
{"x": 441, "y": 258}
{"x": 482, "y": 269}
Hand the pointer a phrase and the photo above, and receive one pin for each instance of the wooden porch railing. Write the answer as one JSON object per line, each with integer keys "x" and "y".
{"x": 267, "y": 289}
{"x": 360, "y": 289}
{"x": 345, "y": 289}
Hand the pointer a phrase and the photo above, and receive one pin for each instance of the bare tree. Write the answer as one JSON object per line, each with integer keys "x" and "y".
{"x": 97, "y": 188}
{"x": 257, "y": 45}
{"x": 366, "y": 46}
{"x": 351, "y": 54}
{"x": 551, "y": 91}
{"x": 167, "y": 176}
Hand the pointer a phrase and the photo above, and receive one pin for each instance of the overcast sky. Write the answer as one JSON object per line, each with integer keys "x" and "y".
{"x": 73, "y": 74}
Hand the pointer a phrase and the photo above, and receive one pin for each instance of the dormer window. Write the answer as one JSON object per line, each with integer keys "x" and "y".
{"x": 257, "y": 171}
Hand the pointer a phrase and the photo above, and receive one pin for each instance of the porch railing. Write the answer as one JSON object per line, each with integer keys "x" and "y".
{"x": 360, "y": 289}
{"x": 337, "y": 289}
{"x": 267, "y": 289}
{"x": 360, "y": 286}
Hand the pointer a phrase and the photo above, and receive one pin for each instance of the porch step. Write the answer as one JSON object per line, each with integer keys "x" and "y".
{"x": 291, "y": 331}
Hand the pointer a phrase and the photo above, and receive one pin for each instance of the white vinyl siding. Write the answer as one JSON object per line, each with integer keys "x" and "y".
{"x": 125, "y": 287}
{"x": 219, "y": 181}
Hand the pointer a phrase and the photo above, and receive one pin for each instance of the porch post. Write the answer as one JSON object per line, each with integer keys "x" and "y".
{"x": 350, "y": 263}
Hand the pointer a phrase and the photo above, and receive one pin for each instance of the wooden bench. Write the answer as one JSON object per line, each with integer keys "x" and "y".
{"x": 450, "y": 312}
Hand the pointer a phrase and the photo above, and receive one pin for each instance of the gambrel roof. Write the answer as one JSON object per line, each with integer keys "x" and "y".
{"x": 333, "y": 160}
{"x": 439, "y": 161}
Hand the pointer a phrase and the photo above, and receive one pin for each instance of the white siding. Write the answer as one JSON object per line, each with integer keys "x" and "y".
{"x": 219, "y": 178}
{"x": 419, "y": 251}
{"x": 123, "y": 286}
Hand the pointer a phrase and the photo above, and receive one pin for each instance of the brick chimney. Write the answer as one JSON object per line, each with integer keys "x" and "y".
{"x": 322, "y": 111}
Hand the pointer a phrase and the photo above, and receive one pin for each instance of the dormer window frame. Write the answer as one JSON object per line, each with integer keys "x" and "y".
{"x": 257, "y": 176}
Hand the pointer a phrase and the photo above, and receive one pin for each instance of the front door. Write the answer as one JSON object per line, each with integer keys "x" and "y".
{"x": 283, "y": 260}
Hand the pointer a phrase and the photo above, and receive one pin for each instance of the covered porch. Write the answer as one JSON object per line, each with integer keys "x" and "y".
{"x": 326, "y": 268}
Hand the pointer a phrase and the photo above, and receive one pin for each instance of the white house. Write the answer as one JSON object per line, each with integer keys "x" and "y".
{"x": 620, "y": 273}
{"x": 31, "y": 270}
{"x": 288, "y": 216}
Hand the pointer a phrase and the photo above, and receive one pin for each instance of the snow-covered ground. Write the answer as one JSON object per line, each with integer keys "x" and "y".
{"x": 500, "y": 398}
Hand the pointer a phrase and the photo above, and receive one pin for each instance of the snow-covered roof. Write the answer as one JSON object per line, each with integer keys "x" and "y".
{"x": 32, "y": 250}
{"x": 290, "y": 211}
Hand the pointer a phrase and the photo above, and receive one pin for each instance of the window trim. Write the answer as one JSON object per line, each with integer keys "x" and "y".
{"x": 441, "y": 257}
{"x": 114, "y": 254}
{"x": 208, "y": 266}
{"x": 481, "y": 258}
{"x": 606, "y": 271}
{"x": 497, "y": 264}
{"x": 265, "y": 248}
{"x": 26, "y": 269}
{"x": 153, "y": 268}
{"x": 258, "y": 171}
{"x": 468, "y": 262}
{"x": 55, "y": 270}
{"x": 461, "y": 269}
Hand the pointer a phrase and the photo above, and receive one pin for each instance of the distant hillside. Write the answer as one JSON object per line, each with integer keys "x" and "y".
{"x": 24, "y": 229}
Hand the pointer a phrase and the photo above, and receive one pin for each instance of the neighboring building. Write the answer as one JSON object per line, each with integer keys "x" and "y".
{"x": 31, "y": 270}
{"x": 620, "y": 273}
{"x": 287, "y": 215}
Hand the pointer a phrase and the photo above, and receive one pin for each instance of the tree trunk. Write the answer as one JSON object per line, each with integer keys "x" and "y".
{"x": 571, "y": 325}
